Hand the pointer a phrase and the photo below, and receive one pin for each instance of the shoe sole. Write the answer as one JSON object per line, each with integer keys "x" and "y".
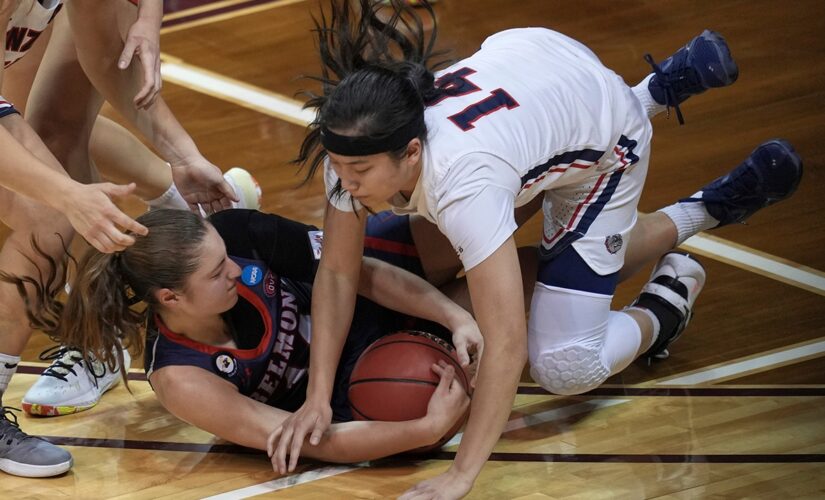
{"x": 46, "y": 410}
{"x": 28, "y": 470}
{"x": 250, "y": 190}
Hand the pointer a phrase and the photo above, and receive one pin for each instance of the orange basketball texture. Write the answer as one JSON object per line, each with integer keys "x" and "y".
{"x": 393, "y": 379}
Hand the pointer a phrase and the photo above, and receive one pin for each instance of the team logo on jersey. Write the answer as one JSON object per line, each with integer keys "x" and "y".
{"x": 226, "y": 364}
{"x": 316, "y": 242}
{"x": 613, "y": 243}
{"x": 252, "y": 275}
{"x": 270, "y": 285}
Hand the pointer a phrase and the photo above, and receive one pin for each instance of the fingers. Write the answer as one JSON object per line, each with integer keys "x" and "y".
{"x": 297, "y": 442}
{"x": 447, "y": 374}
{"x": 229, "y": 193}
{"x": 151, "y": 84}
{"x": 461, "y": 351}
{"x": 317, "y": 432}
{"x": 270, "y": 441}
{"x": 279, "y": 459}
{"x": 126, "y": 56}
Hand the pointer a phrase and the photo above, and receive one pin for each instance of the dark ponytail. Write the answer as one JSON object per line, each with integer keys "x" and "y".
{"x": 367, "y": 89}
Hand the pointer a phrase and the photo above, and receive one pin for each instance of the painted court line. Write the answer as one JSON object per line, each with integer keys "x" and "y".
{"x": 282, "y": 483}
{"x": 752, "y": 364}
{"x": 759, "y": 262}
{"x": 235, "y": 91}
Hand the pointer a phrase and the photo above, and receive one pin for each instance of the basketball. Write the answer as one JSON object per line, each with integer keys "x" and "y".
{"x": 393, "y": 379}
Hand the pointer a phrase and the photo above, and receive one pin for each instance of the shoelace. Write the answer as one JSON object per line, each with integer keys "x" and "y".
{"x": 685, "y": 77}
{"x": 64, "y": 359}
{"x": 10, "y": 432}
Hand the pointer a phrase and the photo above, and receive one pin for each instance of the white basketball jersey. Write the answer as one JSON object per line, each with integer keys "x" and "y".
{"x": 534, "y": 110}
{"x": 26, "y": 25}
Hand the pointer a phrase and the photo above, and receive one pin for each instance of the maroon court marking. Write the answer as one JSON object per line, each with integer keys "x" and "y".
{"x": 216, "y": 12}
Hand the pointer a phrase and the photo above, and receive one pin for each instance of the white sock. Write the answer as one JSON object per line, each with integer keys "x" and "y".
{"x": 652, "y": 107}
{"x": 657, "y": 325}
{"x": 8, "y": 365}
{"x": 170, "y": 199}
{"x": 689, "y": 217}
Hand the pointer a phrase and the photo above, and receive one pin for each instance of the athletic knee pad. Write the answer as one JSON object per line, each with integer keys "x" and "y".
{"x": 571, "y": 370}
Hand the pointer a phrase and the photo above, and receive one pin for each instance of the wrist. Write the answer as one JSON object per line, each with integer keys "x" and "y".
{"x": 428, "y": 429}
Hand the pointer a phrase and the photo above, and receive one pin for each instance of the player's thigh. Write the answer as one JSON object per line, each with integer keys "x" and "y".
{"x": 596, "y": 216}
{"x": 19, "y": 77}
{"x": 64, "y": 123}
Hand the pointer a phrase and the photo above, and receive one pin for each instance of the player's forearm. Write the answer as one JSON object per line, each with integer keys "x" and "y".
{"x": 22, "y": 172}
{"x": 496, "y": 387}
{"x": 403, "y": 291}
{"x": 358, "y": 441}
{"x": 333, "y": 303}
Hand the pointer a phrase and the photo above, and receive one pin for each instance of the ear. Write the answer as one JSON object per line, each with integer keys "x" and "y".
{"x": 166, "y": 297}
{"x": 414, "y": 149}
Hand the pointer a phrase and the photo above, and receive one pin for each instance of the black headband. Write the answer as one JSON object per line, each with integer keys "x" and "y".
{"x": 362, "y": 146}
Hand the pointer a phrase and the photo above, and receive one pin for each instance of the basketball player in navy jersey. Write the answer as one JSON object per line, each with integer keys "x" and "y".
{"x": 229, "y": 325}
{"x": 532, "y": 114}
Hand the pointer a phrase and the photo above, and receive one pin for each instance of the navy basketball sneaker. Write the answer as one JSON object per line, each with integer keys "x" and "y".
{"x": 705, "y": 62}
{"x": 770, "y": 174}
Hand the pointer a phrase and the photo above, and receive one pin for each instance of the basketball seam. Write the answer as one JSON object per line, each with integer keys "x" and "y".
{"x": 394, "y": 379}
{"x": 457, "y": 366}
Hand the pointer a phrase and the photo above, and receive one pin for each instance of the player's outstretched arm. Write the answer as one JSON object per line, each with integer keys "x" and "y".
{"x": 192, "y": 394}
{"x": 89, "y": 208}
{"x": 333, "y": 303}
{"x": 496, "y": 292}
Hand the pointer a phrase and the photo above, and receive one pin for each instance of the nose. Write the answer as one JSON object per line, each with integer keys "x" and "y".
{"x": 349, "y": 185}
{"x": 234, "y": 271}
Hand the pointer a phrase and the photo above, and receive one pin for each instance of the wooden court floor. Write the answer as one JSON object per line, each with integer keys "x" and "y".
{"x": 737, "y": 411}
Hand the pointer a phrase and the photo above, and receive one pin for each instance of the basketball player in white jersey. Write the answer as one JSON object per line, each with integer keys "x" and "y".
{"x": 532, "y": 114}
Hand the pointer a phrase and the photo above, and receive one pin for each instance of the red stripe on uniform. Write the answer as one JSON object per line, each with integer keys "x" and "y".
{"x": 390, "y": 246}
{"x": 586, "y": 200}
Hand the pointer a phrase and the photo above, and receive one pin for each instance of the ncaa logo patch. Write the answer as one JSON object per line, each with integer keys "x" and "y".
{"x": 613, "y": 243}
{"x": 226, "y": 364}
{"x": 252, "y": 275}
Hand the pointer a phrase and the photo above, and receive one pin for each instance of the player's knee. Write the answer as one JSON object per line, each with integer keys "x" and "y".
{"x": 570, "y": 370}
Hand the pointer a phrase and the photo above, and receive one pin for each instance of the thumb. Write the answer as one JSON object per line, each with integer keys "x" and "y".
{"x": 125, "y": 58}
{"x": 227, "y": 191}
{"x": 461, "y": 351}
{"x": 118, "y": 190}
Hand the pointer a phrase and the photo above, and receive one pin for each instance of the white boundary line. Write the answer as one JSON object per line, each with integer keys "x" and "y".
{"x": 753, "y": 260}
{"x": 282, "y": 483}
{"x": 732, "y": 369}
{"x": 235, "y": 91}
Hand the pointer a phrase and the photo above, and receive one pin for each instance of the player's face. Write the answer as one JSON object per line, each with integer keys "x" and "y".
{"x": 374, "y": 179}
{"x": 212, "y": 288}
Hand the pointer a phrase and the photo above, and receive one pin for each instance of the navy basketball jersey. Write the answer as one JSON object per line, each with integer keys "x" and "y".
{"x": 271, "y": 359}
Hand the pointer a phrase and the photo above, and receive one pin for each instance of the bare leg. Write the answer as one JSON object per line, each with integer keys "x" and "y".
{"x": 122, "y": 158}
{"x": 652, "y": 236}
{"x": 26, "y": 218}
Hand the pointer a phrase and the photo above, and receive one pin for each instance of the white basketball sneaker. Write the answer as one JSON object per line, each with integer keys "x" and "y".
{"x": 246, "y": 187}
{"x": 69, "y": 384}
{"x": 670, "y": 294}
